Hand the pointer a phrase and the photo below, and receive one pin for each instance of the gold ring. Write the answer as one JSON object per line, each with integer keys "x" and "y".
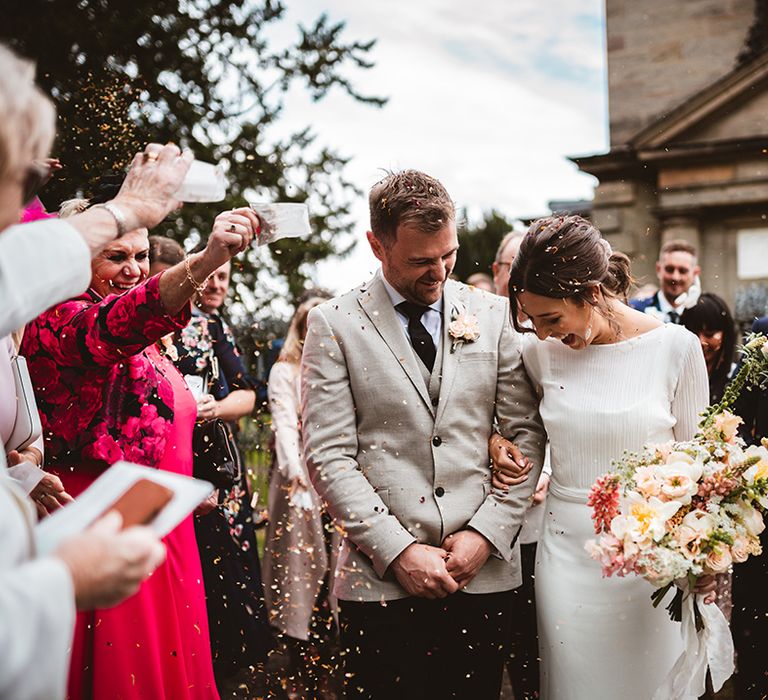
{"x": 150, "y": 156}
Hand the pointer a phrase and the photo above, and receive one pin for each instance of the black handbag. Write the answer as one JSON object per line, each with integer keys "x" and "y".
{"x": 216, "y": 457}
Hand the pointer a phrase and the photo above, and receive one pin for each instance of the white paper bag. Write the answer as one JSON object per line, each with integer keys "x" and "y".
{"x": 203, "y": 183}
{"x": 281, "y": 220}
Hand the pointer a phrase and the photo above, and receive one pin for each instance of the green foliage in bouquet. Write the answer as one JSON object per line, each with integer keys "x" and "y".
{"x": 753, "y": 371}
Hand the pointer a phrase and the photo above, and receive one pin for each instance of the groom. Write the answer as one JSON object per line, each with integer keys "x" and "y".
{"x": 401, "y": 382}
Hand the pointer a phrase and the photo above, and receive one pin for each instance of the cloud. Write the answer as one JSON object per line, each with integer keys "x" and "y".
{"x": 488, "y": 97}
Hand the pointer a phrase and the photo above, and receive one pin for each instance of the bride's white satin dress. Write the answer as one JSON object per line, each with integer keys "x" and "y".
{"x": 600, "y": 638}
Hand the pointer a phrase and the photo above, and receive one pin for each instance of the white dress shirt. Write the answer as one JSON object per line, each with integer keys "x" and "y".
{"x": 432, "y": 319}
{"x": 666, "y": 308}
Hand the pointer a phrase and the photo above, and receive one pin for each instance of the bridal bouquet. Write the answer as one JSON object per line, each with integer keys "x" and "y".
{"x": 681, "y": 510}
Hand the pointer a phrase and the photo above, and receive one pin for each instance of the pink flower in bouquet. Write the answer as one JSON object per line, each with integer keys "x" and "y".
{"x": 688, "y": 541}
{"x": 718, "y": 484}
{"x": 679, "y": 477}
{"x": 728, "y": 425}
{"x": 610, "y": 553}
{"x": 604, "y": 500}
{"x": 646, "y": 481}
{"x": 740, "y": 549}
{"x": 718, "y": 560}
{"x": 664, "y": 450}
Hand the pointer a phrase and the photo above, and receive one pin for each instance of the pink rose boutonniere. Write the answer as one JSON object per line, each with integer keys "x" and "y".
{"x": 464, "y": 328}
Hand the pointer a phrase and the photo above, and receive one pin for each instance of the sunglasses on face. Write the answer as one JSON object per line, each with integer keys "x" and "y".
{"x": 36, "y": 176}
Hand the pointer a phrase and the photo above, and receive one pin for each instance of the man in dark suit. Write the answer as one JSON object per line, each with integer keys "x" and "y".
{"x": 677, "y": 269}
{"x": 750, "y": 608}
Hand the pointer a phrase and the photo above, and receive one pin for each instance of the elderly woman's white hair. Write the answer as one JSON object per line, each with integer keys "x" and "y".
{"x": 27, "y": 116}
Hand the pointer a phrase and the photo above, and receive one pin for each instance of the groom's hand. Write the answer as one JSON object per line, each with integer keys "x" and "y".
{"x": 420, "y": 570}
{"x": 467, "y": 550}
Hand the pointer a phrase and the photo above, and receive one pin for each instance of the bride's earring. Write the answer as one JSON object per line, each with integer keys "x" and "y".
{"x": 588, "y": 333}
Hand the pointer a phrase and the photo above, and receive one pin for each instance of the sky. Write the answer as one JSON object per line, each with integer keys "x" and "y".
{"x": 490, "y": 97}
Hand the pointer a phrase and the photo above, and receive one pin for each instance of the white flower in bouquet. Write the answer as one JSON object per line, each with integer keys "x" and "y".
{"x": 749, "y": 517}
{"x": 662, "y": 566}
{"x": 643, "y": 519}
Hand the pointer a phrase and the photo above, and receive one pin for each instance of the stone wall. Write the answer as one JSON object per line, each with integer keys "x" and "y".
{"x": 662, "y": 51}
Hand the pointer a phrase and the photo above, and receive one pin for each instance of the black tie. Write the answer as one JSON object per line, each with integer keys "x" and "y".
{"x": 674, "y": 317}
{"x": 420, "y": 339}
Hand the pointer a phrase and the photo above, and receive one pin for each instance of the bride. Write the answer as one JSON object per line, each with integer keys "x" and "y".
{"x": 610, "y": 378}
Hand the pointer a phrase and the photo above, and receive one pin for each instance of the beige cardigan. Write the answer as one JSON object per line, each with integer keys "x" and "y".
{"x": 295, "y": 557}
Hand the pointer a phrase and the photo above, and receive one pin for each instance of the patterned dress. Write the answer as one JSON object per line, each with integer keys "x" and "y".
{"x": 226, "y": 536}
{"x": 105, "y": 394}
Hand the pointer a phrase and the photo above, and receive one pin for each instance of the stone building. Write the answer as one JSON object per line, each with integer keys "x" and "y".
{"x": 688, "y": 107}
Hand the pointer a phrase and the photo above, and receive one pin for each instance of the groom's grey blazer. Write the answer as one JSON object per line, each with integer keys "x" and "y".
{"x": 396, "y": 465}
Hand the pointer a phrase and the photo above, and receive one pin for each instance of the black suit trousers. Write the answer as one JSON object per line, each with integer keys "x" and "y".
{"x": 419, "y": 649}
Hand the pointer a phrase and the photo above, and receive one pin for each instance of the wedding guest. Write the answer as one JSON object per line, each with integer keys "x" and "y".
{"x": 677, "y": 270}
{"x": 106, "y": 392}
{"x": 505, "y": 255}
{"x": 226, "y": 537}
{"x": 523, "y": 662}
{"x": 710, "y": 319}
{"x": 481, "y": 280}
{"x": 402, "y": 380}
{"x": 610, "y": 379}
{"x": 297, "y": 551}
{"x": 164, "y": 252}
{"x": 100, "y": 567}
{"x": 750, "y": 606}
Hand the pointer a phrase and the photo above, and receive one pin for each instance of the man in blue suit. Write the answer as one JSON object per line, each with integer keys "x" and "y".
{"x": 676, "y": 268}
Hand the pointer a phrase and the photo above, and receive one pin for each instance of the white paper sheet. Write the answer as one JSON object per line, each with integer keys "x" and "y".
{"x": 188, "y": 493}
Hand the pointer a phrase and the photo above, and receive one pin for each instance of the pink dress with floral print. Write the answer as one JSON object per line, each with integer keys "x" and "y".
{"x": 137, "y": 407}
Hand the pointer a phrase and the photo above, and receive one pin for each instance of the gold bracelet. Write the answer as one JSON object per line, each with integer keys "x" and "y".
{"x": 199, "y": 288}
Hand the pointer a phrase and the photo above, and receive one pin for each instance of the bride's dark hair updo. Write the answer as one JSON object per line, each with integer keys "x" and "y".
{"x": 566, "y": 257}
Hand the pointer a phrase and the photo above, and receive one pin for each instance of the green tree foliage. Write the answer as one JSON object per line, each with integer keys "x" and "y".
{"x": 478, "y": 244}
{"x": 206, "y": 74}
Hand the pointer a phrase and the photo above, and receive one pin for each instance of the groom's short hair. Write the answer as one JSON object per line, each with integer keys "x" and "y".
{"x": 408, "y": 197}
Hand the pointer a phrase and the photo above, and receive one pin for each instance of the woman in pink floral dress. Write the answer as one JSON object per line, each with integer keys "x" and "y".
{"x": 106, "y": 392}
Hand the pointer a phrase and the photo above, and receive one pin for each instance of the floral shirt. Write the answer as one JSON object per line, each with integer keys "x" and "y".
{"x": 99, "y": 394}
{"x": 206, "y": 348}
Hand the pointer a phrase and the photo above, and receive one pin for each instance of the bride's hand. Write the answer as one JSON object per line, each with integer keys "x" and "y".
{"x": 510, "y": 466}
{"x": 706, "y": 585}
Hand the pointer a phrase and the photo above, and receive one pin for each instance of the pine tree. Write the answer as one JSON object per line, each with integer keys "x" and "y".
{"x": 478, "y": 244}
{"x": 201, "y": 73}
